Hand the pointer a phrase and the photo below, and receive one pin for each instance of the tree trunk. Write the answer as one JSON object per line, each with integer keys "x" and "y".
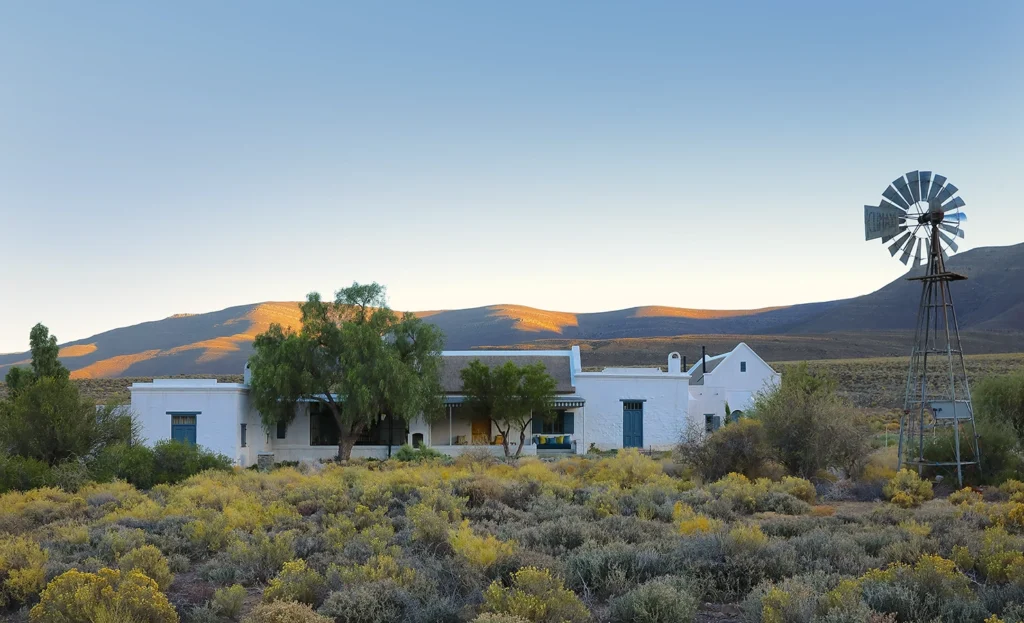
{"x": 347, "y": 435}
{"x": 522, "y": 442}
{"x": 504, "y": 437}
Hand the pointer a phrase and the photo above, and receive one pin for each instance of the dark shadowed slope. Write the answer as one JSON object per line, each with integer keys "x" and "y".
{"x": 991, "y": 300}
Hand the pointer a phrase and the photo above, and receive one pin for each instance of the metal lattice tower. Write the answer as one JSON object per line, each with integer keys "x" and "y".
{"x": 923, "y": 214}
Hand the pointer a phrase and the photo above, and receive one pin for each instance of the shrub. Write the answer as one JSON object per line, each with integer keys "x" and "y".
{"x": 22, "y": 573}
{"x": 689, "y": 522}
{"x": 799, "y": 488}
{"x": 1001, "y": 398}
{"x": 108, "y": 595}
{"x": 745, "y": 539}
{"x": 150, "y": 561}
{"x": 132, "y": 463}
{"x": 227, "y": 602}
{"x": 19, "y": 473}
{"x": 536, "y": 596}
{"x": 1014, "y": 489}
{"x": 662, "y": 600}
{"x": 966, "y": 496}
{"x": 741, "y": 447}
{"x": 71, "y": 475}
{"x": 493, "y": 617}
{"x": 409, "y": 454}
{"x": 628, "y": 468}
{"x": 479, "y": 551}
{"x": 174, "y": 461}
{"x": 296, "y": 582}
{"x": 381, "y": 601}
{"x": 810, "y": 426}
{"x": 284, "y": 612}
{"x": 907, "y": 489}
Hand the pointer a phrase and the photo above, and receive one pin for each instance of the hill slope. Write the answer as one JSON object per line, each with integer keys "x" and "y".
{"x": 989, "y": 304}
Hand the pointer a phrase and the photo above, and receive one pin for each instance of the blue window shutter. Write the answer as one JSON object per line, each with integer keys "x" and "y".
{"x": 567, "y": 422}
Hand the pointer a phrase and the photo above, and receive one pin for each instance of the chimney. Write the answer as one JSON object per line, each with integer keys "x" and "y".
{"x": 703, "y": 360}
{"x": 673, "y": 363}
{"x": 684, "y": 364}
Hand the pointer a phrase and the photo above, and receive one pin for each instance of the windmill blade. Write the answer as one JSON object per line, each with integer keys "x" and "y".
{"x": 937, "y": 183}
{"x": 946, "y": 193}
{"x": 955, "y": 216}
{"x": 917, "y": 253}
{"x": 882, "y": 221}
{"x": 893, "y": 196}
{"x": 949, "y": 241}
{"x": 900, "y": 184}
{"x": 954, "y": 204}
{"x": 926, "y": 182}
{"x": 906, "y": 250}
{"x": 895, "y": 247}
{"x": 955, "y": 230}
{"x": 913, "y": 180}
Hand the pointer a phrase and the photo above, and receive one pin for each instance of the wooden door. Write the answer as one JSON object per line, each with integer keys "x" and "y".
{"x": 481, "y": 429}
{"x": 632, "y": 424}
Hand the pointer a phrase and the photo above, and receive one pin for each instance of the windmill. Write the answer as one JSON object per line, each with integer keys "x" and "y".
{"x": 919, "y": 217}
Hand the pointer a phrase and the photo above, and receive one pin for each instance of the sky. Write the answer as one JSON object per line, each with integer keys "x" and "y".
{"x": 162, "y": 158}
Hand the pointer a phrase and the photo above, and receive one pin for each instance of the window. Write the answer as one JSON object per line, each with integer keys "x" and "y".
{"x": 630, "y": 405}
{"x": 282, "y": 430}
{"x": 712, "y": 422}
{"x": 243, "y": 435}
{"x": 183, "y": 427}
{"x": 555, "y": 426}
{"x": 743, "y": 366}
{"x": 323, "y": 429}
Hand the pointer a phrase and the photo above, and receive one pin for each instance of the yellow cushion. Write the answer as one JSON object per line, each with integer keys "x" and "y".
{"x": 543, "y": 440}
{"x": 560, "y": 439}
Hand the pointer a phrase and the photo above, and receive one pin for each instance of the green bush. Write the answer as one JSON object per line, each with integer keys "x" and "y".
{"x": 811, "y": 427}
{"x": 662, "y": 600}
{"x": 1001, "y": 452}
{"x": 407, "y": 453}
{"x": 132, "y": 463}
{"x": 174, "y": 461}
{"x": 741, "y": 447}
{"x": 284, "y": 612}
{"x": 380, "y": 601}
{"x": 296, "y": 582}
{"x": 227, "y": 602}
{"x": 1001, "y": 398}
{"x": 71, "y": 475}
{"x": 18, "y": 473}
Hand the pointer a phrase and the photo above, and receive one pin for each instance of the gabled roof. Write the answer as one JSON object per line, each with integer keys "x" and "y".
{"x": 558, "y": 364}
{"x": 697, "y": 371}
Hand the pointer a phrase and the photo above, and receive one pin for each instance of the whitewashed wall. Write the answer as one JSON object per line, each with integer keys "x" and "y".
{"x": 219, "y": 408}
{"x": 666, "y": 407}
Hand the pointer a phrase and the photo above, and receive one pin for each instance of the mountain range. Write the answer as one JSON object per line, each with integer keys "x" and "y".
{"x": 989, "y": 306}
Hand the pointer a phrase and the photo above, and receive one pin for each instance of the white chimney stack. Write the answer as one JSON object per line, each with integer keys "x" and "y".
{"x": 674, "y": 363}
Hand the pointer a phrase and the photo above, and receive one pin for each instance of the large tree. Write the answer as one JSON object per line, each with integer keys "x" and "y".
{"x": 45, "y": 362}
{"x": 46, "y": 418}
{"x": 508, "y": 395}
{"x": 355, "y": 356}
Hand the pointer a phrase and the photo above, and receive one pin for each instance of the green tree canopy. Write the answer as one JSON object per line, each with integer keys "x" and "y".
{"x": 354, "y": 355}
{"x": 45, "y": 362}
{"x": 1001, "y": 399}
{"x": 509, "y": 395}
{"x": 45, "y": 418}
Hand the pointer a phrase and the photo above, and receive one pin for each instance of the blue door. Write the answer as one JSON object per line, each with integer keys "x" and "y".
{"x": 632, "y": 424}
{"x": 183, "y": 428}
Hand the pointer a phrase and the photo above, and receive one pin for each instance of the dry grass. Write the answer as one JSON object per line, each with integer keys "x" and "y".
{"x": 78, "y": 350}
{"x": 533, "y": 320}
{"x": 661, "y": 311}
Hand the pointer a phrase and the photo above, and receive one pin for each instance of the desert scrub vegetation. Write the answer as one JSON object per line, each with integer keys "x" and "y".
{"x": 601, "y": 539}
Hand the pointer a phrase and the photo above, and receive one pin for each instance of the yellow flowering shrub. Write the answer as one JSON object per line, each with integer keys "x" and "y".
{"x": 965, "y": 496}
{"x": 479, "y": 551}
{"x": 536, "y": 596}
{"x": 382, "y": 567}
{"x": 284, "y": 612}
{"x": 106, "y": 596}
{"x": 689, "y": 521}
{"x": 296, "y": 582}
{"x": 747, "y": 538}
{"x": 23, "y": 511}
{"x": 907, "y": 490}
{"x": 21, "y": 569}
{"x": 150, "y": 561}
{"x": 1014, "y": 489}
{"x": 228, "y": 601}
{"x": 800, "y": 488}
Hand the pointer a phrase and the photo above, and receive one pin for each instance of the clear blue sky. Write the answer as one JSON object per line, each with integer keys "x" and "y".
{"x": 158, "y": 158}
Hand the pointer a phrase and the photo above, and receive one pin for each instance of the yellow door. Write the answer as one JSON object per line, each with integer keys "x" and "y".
{"x": 481, "y": 431}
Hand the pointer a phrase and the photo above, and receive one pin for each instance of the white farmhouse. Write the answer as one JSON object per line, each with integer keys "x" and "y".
{"x": 733, "y": 378}
{"x": 613, "y": 408}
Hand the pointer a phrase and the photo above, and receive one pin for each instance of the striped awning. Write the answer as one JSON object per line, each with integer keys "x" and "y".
{"x": 561, "y": 402}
